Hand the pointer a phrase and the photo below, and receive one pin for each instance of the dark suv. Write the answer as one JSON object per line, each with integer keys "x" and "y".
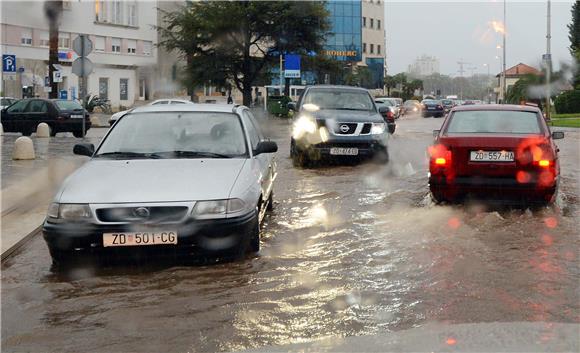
{"x": 337, "y": 121}
{"x": 60, "y": 115}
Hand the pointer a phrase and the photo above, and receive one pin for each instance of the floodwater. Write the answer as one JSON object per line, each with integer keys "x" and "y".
{"x": 348, "y": 251}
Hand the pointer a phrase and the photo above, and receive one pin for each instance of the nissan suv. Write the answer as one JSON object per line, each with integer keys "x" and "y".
{"x": 337, "y": 121}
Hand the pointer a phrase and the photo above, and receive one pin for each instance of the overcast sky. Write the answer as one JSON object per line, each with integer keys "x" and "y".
{"x": 452, "y": 31}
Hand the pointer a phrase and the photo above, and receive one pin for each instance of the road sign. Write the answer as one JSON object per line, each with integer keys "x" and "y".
{"x": 292, "y": 66}
{"x": 8, "y": 63}
{"x": 82, "y": 45}
{"x": 82, "y": 70}
{"x": 57, "y": 76}
{"x": 63, "y": 94}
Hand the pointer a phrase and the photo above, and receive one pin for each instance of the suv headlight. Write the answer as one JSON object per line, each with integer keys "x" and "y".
{"x": 378, "y": 128}
{"x": 303, "y": 125}
{"x": 69, "y": 211}
{"x": 218, "y": 208}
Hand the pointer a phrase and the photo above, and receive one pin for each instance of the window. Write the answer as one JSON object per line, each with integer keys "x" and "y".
{"x": 372, "y": 48}
{"x": 378, "y": 48}
{"x": 63, "y": 40}
{"x": 37, "y": 106}
{"x": 253, "y": 132}
{"x": 124, "y": 89}
{"x": 131, "y": 46}
{"x": 117, "y": 12}
{"x": 147, "y": 46}
{"x": 132, "y": 14}
{"x": 44, "y": 41}
{"x": 513, "y": 122}
{"x": 100, "y": 43}
{"x": 364, "y": 21}
{"x": 378, "y": 24}
{"x": 104, "y": 87}
{"x": 364, "y": 47}
{"x": 26, "y": 36}
{"x": 101, "y": 11}
{"x": 372, "y": 22}
{"x": 18, "y": 107}
{"x": 116, "y": 45}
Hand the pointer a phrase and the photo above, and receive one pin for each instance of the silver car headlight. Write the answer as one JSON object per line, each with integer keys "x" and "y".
{"x": 378, "y": 128}
{"x": 69, "y": 211}
{"x": 218, "y": 208}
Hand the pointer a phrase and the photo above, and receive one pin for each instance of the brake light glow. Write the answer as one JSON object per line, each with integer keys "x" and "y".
{"x": 544, "y": 163}
{"x": 440, "y": 161}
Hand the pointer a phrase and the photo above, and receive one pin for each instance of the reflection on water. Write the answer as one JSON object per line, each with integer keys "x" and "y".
{"x": 348, "y": 250}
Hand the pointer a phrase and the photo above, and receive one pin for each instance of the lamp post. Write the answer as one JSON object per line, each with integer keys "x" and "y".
{"x": 503, "y": 54}
{"x": 487, "y": 84}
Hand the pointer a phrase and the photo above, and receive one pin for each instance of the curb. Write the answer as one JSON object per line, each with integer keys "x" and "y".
{"x": 14, "y": 248}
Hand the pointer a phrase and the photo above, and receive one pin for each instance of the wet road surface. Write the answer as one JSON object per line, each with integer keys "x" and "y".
{"x": 348, "y": 251}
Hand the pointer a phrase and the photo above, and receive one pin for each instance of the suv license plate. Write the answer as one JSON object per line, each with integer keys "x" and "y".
{"x": 491, "y": 156}
{"x": 139, "y": 239}
{"x": 76, "y": 116}
{"x": 340, "y": 151}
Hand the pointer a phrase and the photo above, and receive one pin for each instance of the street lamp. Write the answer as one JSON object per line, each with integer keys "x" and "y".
{"x": 487, "y": 84}
{"x": 502, "y": 73}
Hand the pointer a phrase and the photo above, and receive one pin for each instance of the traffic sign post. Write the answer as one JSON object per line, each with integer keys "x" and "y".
{"x": 82, "y": 66}
{"x": 9, "y": 63}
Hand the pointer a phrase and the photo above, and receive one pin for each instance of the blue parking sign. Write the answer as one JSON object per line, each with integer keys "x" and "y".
{"x": 8, "y": 63}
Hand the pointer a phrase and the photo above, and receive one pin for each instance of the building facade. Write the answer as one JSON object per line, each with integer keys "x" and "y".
{"x": 124, "y": 48}
{"x": 374, "y": 40}
{"x": 424, "y": 65}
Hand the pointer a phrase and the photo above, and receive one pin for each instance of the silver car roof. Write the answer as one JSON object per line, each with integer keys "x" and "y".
{"x": 214, "y": 108}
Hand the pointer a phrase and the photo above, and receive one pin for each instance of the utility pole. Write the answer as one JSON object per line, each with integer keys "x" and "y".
{"x": 504, "y": 88}
{"x": 53, "y": 10}
{"x": 548, "y": 61}
{"x": 461, "y": 71}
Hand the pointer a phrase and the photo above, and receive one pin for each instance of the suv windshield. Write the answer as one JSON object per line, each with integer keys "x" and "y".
{"x": 177, "y": 134}
{"x": 68, "y": 105}
{"x": 339, "y": 99}
{"x": 490, "y": 121}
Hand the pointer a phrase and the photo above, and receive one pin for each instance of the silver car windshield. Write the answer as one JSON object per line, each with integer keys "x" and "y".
{"x": 339, "y": 99}
{"x": 176, "y": 135}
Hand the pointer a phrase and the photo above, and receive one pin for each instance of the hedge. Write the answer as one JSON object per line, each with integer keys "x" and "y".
{"x": 568, "y": 102}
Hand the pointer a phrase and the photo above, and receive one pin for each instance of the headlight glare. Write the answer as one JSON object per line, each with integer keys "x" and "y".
{"x": 378, "y": 128}
{"x": 304, "y": 125}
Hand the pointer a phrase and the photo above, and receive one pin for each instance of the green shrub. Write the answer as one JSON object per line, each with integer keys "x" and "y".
{"x": 568, "y": 102}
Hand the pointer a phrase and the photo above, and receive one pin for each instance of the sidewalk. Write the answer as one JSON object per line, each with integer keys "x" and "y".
{"x": 29, "y": 186}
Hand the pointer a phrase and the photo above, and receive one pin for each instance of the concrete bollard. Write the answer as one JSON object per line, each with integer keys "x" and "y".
{"x": 43, "y": 130}
{"x": 1, "y": 130}
{"x": 23, "y": 149}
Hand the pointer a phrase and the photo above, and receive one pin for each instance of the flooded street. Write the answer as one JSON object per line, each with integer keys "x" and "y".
{"x": 348, "y": 251}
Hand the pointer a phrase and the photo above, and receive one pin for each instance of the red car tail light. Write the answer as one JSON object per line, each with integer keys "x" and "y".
{"x": 439, "y": 155}
{"x": 544, "y": 163}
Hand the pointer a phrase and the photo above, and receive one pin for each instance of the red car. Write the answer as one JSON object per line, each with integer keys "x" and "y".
{"x": 504, "y": 153}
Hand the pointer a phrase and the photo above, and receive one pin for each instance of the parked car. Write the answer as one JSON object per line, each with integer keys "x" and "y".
{"x": 411, "y": 107}
{"x": 503, "y": 152}
{"x": 432, "y": 107}
{"x": 117, "y": 115}
{"x": 60, "y": 115}
{"x": 337, "y": 121}
{"x": 388, "y": 114}
{"x": 6, "y": 101}
{"x": 181, "y": 179}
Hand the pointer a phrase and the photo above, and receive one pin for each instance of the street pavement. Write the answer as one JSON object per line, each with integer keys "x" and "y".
{"x": 348, "y": 251}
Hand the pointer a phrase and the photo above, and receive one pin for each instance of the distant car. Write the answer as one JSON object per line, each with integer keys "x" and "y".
{"x": 392, "y": 104}
{"x": 60, "y": 115}
{"x": 447, "y": 105}
{"x": 411, "y": 107}
{"x": 468, "y": 102}
{"x": 388, "y": 115}
{"x": 6, "y": 101}
{"x": 432, "y": 107}
{"x": 177, "y": 179}
{"x": 117, "y": 115}
{"x": 501, "y": 152}
{"x": 337, "y": 121}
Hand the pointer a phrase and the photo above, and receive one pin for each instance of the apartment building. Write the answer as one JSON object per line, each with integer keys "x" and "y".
{"x": 124, "y": 48}
{"x": 424, "y": 65}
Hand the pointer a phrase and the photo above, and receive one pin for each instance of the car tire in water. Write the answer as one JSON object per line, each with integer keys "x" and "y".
{"x": 26, "y": 132}
{"x": 60, "y": 257}
{"x": 79, "y": 133}
{"x": 436, "y": 198}
{"x": 52, "y": 130}
{"x": 299, "y": 158}
{"x": 381, "y": 157}
{"x": 254, "y": 234}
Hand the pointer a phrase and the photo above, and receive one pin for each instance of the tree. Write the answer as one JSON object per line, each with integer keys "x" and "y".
{"x": 574, "y": 36}
{"x": 409, "y": 88}
{"x": 235, "y": 41}
{"x": 390, "y": 83}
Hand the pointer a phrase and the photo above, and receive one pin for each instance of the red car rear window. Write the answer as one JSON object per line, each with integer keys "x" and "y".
{"x": 494, "y": 121}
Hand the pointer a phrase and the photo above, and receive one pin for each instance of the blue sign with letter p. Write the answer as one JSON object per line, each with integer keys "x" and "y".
{"x": 8, "y": 63}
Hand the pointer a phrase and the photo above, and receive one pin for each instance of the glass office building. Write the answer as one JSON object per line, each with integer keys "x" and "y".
{"x": 345, "y": 42}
